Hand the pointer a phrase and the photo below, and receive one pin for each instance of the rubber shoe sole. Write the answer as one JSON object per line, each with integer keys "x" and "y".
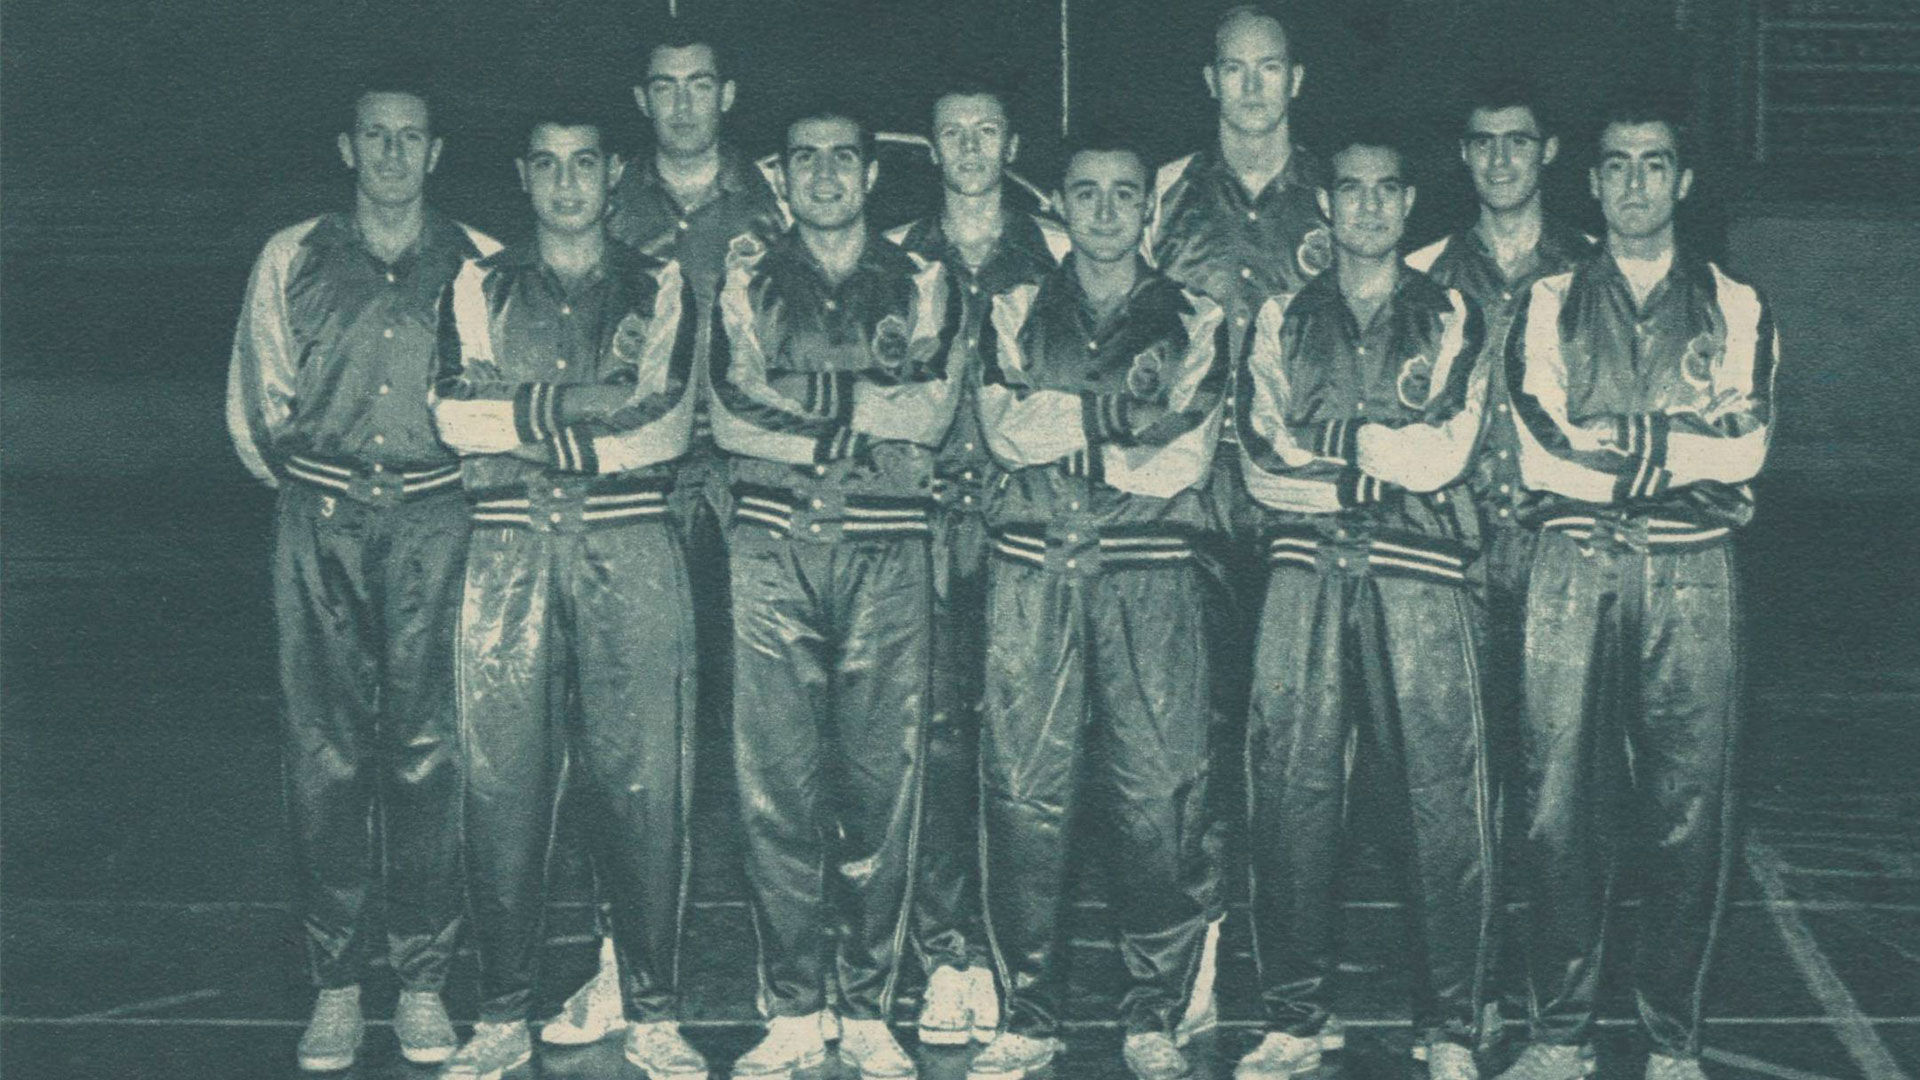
{"x": 1017, "y": 1074}
{"x": 329, "y": 1062}
{"x": 933, "y": 1036}
{"x": 1302, "y": 1067}
{"x": 426, "y": 1055}
{"x": 808, "y": 1061}
{"x": 1013, "y": 1074}
{"x": 654, "y": 1074}
{"x": 556, "y": 1034}
{"x": 496, "y": 1074}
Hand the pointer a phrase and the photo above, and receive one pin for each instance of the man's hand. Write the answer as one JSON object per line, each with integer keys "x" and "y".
{"x": 476, "y": 427}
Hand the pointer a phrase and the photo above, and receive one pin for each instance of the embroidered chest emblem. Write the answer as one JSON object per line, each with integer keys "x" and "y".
{"x": 1697, "y": 363}
{"x": 1414, "y": 385}
{"x": 630, "y": 339}
{"x": 890, "y": 341}
{"x": 1315, "y": 253}
{"x": 745, "y": 249}
{"x": 1147, "y": 374}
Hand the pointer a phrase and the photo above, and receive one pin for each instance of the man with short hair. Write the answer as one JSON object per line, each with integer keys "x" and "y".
{"x": 1359, "y": 406}
{"x": 1237, "y": 221}
{"x": 987, "y": 247}
{"x": 327, "y": 401}
{"x": 832, "y": 391}
{"x": 1506, "y": 146}
{"x": 1642, "y": 386}
{"x": 1102, "y": 398}
{"x": 566, "y": 376}
{"x": 684, "y": 202}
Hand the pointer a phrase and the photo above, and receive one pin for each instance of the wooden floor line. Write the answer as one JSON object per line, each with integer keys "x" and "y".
{"x": 150, "y": 1005}
{"x": 1764, "y": 1068}
{"x": 1854, "y": 1031}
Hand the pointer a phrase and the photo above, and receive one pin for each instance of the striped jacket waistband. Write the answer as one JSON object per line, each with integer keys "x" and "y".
{"x": 1131, "y": 547}
{"x": 568, "y": 509}
{"x": 1396, "y": 554}
{"x": 375, "y": 484}
{"x": 1637, "y": 532}
{"x": 830, "y": 516}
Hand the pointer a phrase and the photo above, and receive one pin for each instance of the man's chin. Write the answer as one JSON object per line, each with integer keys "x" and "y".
{"x": 1254, "y": 122}
{"x": 689, "y": 146}
{"x": 1505, "y": 199}
{"x": 827, "y": 222}
{"x": 568, "y": 224}
{"x": 390, "y": 194}
{"x": 973, "y": 187}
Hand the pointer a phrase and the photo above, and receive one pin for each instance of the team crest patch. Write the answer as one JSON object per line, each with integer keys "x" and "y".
{"x": 890, "y": 341}
{"x": 1315, "y": 253}
{"x": 630, "y": 339}
{"x": 1414, "y": 386}
{"x": 1146, "y": 376}
{"x": 745, "y": 248}
{"x": 1696, "y": 365}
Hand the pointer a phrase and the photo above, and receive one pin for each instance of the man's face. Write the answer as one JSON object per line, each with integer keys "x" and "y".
{"x": 1504, "y": 152}
{"x": 568, "y": 174}
{"x": 1105, "y": 201}
{"x": 684, "y": 96}
{"x": 1639, "y": 180}
{"x": 1252, "y": 76}
{"x": 825, "y": 177}
{"x": 972, "y": 143}
{"x": 1368, "y": 202}
{"x": 391, "y": 149}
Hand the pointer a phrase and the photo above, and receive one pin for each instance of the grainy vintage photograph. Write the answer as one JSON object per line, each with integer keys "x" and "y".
{"x": 890, "y": 539}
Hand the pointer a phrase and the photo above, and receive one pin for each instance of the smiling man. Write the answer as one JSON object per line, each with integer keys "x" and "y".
{"x": 327, "y": 401}
{"x": 1642, "y": 387}
{"x": 987, "y": 247}
{"x": 832, "y": 389}
{"x": 1102, "y": 396}
{"x": 566, "y": 384}
{"x": 1358, "y": 409}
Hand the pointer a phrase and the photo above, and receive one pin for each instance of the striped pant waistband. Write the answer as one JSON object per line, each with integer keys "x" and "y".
{"x": 1639, "y": 533}
{"x": 830, "y": 516}
{"x": 371, "y": 484}
{"x": 1394, "y": 555}
{"x": 561, "y": 508}
{"x": 1090, "y": 552}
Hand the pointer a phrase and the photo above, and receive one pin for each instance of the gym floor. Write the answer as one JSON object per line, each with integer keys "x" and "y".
{"x": 147, "y": 935}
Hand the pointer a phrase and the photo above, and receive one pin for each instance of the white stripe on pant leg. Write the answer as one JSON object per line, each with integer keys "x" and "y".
{"x": 1201, "y": 1002}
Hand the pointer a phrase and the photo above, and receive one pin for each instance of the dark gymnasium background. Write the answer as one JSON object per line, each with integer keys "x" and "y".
{"x": 150, "y": 146}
